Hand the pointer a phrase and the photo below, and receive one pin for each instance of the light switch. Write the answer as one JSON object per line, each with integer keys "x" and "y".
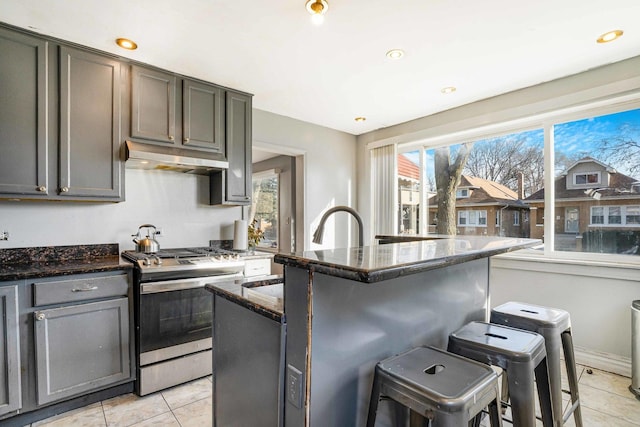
{"x": 294, "y": 386}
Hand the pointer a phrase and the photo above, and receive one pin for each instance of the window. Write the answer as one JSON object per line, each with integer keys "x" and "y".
{"x": 595, "y": 177}
{"x": 616, "y": 216}
{"x": 462, "y": 193}
{"x": 264, "y": 206}
{"x": 472, "y": 218}
{"x": 589, "y": 178}
{"x": 598, "y": 156}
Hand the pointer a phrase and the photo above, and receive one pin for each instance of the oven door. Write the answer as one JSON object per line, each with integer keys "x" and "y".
{"x": 175, "y": 317}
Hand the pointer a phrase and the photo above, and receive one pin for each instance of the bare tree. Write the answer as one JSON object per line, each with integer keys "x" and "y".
{"x": 623, "y": 151}
{"x": 500, "y": 159}
{"x": 448, "y": 175}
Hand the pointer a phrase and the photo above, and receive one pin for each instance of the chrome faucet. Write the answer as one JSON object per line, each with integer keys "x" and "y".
{"x": 317, "y": 236}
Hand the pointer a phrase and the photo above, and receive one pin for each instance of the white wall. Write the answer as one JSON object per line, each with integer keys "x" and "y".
{"x": 329, "y": 171}
{"x": 177, "y": 202}
{"x": 598, "y": 298}
{"x": 174, "y": 201}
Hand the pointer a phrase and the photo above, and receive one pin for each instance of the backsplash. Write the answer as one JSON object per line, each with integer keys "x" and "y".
{"x": 175, "y": 202}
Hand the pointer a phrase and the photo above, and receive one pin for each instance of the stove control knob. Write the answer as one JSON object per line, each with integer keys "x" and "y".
{"x": 146, "y": 261}
{"x": 158, "y": 261}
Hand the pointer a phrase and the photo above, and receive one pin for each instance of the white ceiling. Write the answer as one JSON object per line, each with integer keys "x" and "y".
{"x": 332, "y": 73}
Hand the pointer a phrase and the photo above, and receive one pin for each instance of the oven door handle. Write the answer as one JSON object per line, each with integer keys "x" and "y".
{"x": 181, "y": 284}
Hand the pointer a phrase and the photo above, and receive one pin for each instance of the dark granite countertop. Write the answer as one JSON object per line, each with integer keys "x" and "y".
{"x": 234, "y": 293}
{"x": 375, "y": 263}
{"x": 27, "y": 263}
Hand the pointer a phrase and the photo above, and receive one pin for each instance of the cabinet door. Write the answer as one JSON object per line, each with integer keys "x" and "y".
{"x": 233, "y": 186}
{"x": 81, "y": 348}
{"x": 153, "y": 105}
{"x": 10, "y": 395}
{"x": 203, "y": 116}
{"x": 23, "y": 113}
{"x": 90, "y": 164}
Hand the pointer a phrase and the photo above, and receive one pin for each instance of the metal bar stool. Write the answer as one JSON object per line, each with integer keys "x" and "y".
{"x": 521, "y": 354}
{"x": 555, "y": 326}
{"x": 438, "y": 386}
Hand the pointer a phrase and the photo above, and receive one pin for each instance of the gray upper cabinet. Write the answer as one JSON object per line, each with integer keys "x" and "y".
{"x": 160, "y": 98}
{"x": 203, "y": 116}
{"x": 153, "y": 105}
{"x": 59, "y": 121}
{"x": 233, "y": 186}
{"x": 10, "y": 393}
{"x": 90, "y": 103}
{"x": 23, "y": 115}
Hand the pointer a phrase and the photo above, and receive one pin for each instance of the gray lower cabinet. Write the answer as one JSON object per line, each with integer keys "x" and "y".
{"x": 80, "y": 348}
{"x": 233, "y": 186}
{"x": 59, "y": 121}
{"x": 10, "y": 392}
{"x": 158, "y": 99}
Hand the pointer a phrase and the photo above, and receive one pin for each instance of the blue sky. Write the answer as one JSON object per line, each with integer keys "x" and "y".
{"x": 574, "y": 139}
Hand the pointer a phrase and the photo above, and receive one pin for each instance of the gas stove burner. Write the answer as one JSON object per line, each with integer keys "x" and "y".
{"x": 214, "y": 261}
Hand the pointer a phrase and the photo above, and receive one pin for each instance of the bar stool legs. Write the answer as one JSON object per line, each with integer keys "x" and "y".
{"x": 555, "y": 326}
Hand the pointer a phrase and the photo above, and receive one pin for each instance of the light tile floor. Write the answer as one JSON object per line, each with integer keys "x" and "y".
{"x": 606, "y": 402}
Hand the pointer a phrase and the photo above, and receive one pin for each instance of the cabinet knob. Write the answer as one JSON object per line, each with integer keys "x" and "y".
{"x": 42, "y": 189}
{"x": 39, "y": 315}
{"x": 64, "y": 189}
{"x": 186, "y": 140}
{"x": 171, "y": 138}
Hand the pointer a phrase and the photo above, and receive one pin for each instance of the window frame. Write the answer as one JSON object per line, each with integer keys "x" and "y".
{"x": 606, "y": 215}
{"x": 587, "y": 183}
{"x": 545, "y": 121}
{"x": 477, "y": 216}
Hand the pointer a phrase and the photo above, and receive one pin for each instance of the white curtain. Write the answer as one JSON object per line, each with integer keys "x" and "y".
{"x": 383, "y": 189}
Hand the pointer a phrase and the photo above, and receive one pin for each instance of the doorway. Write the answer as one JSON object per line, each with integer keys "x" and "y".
{"x": 571, "y": 220}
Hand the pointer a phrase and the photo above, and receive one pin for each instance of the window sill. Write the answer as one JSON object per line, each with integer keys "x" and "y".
{"x": 624, "y": 267}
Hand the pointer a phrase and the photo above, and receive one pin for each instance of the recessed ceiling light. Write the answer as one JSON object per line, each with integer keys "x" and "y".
{"x": 610, "y": 36}
{"x": 317, "y": 9}
{"x": 448, "y": 89}
{"x": 395, "y": 54}
{"x": 126, "y": 44}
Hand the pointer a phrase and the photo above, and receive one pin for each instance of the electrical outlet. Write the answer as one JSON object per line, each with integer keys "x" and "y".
{"x": 294, "y": 386}
{"x": 159, "y": 232}
{"x": 4, "y": 235}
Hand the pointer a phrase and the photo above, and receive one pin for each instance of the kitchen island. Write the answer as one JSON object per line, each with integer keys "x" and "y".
{"x": 346, "y": 309}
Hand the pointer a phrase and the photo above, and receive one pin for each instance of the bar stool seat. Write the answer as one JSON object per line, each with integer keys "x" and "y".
{"x": 521, "y": 354}
{"x": 555, "y": 326}
{"x": 435, "y": 385}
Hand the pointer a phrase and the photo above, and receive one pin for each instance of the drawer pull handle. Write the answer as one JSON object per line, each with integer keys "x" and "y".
{"x": 85, "y": 289}
{"x": 39, "y": 315}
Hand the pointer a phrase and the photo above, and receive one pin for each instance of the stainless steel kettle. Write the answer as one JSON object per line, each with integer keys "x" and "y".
{"x": 148, "y": 244}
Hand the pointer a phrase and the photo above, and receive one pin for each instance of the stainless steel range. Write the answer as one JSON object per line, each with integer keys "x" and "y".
{"x": 173, "y": 312}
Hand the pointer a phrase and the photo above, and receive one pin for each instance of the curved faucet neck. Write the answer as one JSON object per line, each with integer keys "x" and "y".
{"x": 317, "y": 236}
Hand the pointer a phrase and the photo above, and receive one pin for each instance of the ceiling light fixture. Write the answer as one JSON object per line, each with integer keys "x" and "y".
{"x": 395, "y": 54}
{"x": 448, "y": 89}
{"x": 126, "y": 44}
{"x": 360, "y": 119}
{"x": 317, "y": 9}
{"x": 610, "y": 36}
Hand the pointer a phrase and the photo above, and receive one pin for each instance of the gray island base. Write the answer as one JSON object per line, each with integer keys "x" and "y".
{"x": 347, "y": 309}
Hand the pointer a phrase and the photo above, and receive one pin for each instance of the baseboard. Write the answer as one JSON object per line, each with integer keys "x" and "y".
{"x": 604, "y": 361}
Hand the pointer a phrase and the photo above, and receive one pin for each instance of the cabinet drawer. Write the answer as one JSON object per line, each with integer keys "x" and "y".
{"x": 257, "y": 267}
{"x": 79, "y": 289}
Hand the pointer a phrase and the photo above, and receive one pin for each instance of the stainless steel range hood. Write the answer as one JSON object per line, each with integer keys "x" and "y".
{"x": 155, "y": 157}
